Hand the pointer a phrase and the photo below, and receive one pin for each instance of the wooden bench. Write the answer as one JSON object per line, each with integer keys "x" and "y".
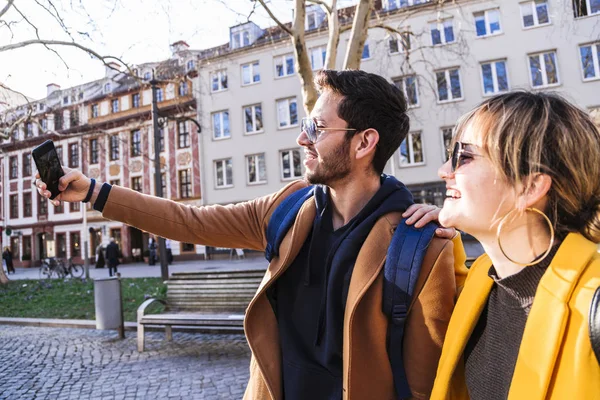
{"x": 210, "y": 300}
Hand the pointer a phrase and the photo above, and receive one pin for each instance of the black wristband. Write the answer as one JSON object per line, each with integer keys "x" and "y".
{"x": 90, "y": 191}
{"x": 102, "y": 197}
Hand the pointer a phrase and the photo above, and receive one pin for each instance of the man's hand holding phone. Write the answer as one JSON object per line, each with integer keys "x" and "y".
{"x": 73, "y": 187}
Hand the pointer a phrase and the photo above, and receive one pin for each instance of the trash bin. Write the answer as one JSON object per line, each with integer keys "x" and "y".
{"x": 109, "y": 304}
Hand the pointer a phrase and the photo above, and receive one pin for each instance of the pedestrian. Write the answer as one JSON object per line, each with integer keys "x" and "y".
{"x": 151, "y": 251}
{"x": 8, "y": 258}
{"x": 524, "y": 179}
{"x": 169, "y": 251}
{"x": 316, "y": 326}
{"x": 100, "y": 256}
{"x": 112, "y": 256}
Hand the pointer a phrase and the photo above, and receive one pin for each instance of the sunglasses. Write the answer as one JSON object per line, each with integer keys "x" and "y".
{"x": 458, "y": 155}
{"x": 309, "y": 125}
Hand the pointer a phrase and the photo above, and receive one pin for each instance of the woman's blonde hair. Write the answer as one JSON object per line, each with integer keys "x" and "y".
{"x": 525, "y": 133}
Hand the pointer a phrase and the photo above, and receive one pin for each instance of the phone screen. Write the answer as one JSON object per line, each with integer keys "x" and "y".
{"x": 50, "y": 170}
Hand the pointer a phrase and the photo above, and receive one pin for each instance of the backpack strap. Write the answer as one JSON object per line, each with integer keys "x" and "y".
{"x": 282, "y": 219}
{"x": 595, "y": 323}
{"x": 401, "y": 271}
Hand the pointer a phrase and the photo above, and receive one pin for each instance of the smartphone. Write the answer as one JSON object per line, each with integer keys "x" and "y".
{"x": 48, "y": 165}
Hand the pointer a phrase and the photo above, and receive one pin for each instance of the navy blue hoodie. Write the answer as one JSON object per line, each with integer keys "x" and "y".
{"x": 310, "y": 297}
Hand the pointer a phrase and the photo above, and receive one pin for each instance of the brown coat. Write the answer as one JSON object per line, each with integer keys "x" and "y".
{"x": 366, "y": 368}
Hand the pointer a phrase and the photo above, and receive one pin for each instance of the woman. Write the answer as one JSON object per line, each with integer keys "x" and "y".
{"x": 524, "y": 180}
{"x": 7, "y": 257}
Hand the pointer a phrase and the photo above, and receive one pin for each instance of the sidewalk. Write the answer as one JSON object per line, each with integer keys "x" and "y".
{"x": 141, "y": 270}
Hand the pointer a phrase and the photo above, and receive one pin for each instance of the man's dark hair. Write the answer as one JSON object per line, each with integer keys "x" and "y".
{"x": 369, "y": 101}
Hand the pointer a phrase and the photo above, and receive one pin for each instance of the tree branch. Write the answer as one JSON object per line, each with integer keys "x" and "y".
{"x": 6, "y": 7}
{"x": 274, "y": 18}
{"x": 326, "y": 6}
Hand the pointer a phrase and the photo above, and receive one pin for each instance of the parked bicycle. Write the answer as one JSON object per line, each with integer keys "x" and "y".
{"x": 57, "y": 268}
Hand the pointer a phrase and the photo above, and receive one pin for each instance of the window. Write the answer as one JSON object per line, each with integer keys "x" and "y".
{"x": 27, "y": 204}
{"x": 94, "y": 110}
{"x": 136, "y": 184}
{"x": 73, "y": 155}
{"x": 93, "y": 151}
{"x": 14, "y": 205}
{"x": 75, "y": 207}
{"x": 394, "y": 4}
{"x": 399, "y": 44}
{"x": 26, "y": 165}
{"x": 253, "y": 118}
{"x": 534, "y": 13}
{"x": 74, "y": 117}
{"x": 183, "y": 89}
{"x": 446, "y": 142}
{"x": 135, "y": 100}
{"x": 66, "y": 100}
{"x": 220, "y": 122}
{"x": 44, "y": 123}
{"x": 14, "y": 247}
{"x": 159, "y": 95}
{"x": 59, "y": 153}
{"x": 590, "y": 60}
{"x": 59, "y": 209}
{"x": 224, "y": 173}
{"x": 161, "y": 139}
{"x": 366, "y": 54}
{"x": 543, "y": 69}
{"x": 107, "y": 87}
{"x": 114, "y": 105}
{"x": 185, "y": 184}
{"x": 448, "y": 85}
{"x": 42, "y": 205}
{"x": 114, "y": 147}
{"x": 219, "y": 80}
{"x": 187, "y": 247}
{"x": 136, "y": 143}
{"x": 291, "y": 164}
{"x": 317, "y": 57}
{"x": 250, "y": 73}
{"x": 61, "y": 245}
{"x": 494, "y": 77}
{"x": 582, "y": 8}
{"x": 190, "y": 65}
{"x": 58, "y": 121}
{"x": 246, "y": 38}
{"x": 163, "y": 184}
{"x": 29, "y": 130}
{"x": 257, "y": 170}
{"x": 80, "y": 96}
{"x": 147, "y": 76}
{"x": 15, "y": 134}
{"x": 284, "y": 65}
{"x": 487, "y": 22}
{"x": 14, "y": 167}
{"x": 287, "y": 112}
{"x": 27, "y": 247}
{"x": 408, "y": 86}
{"x": 75, "y": 245}
{"x": 442, "y": 32}
{"x": 115, "y": 182}
{"x": 311, "y": 20}
{"x": 183, "y": 134}
{"x": 116, "y": 233}
{"x": 411, "y": 150}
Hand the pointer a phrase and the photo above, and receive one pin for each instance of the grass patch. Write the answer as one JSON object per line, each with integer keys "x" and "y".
{"x": 72, "y": 298}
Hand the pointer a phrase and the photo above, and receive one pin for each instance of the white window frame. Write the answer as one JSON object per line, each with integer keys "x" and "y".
{"x": 256, "y": 158}
{"x": 219, "y": 75}
{"x": 589, "y": 8}
{"x": 494, "y": 77}
{"x": 440, "y": 26}
{"x": 404, "y": 91}
{"x": 226, "y": 162}
{"x": 252, "y": 108}
{"x": 443, "y": 130}
{"x": 545, "y": 83}
{"x": 411, "y": 155}
{"x": 288, "y": 124}
{"x": 533, "y": 8}
{"x": 449, "y": 86}
{"x": 112, "y": 105}
{"x": 316, "y": 20}
{"x": 487, "y": 23}
{"x": 595, "y": 60}
{"x": 401, "y": 42}
{"x": 283, "y": 60}
{"x": 322, "y": 50}
{"x": 221, "y": 115}
{"x": 252, "y": 66}
{"x": 290, "y": 153}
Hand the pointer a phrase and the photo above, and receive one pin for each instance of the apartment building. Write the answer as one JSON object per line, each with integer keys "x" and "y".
{"x": 446, "y": 58}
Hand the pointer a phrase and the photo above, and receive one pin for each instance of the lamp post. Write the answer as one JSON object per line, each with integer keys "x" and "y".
{"x": 86, "y": 261}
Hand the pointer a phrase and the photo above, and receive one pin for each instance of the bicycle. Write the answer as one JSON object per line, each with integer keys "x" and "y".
{"x": 75, "y": 270}
{"x": 55, "y": 267}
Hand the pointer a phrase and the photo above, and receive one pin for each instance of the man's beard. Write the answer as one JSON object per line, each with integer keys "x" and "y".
{"x": 334, "y": 167}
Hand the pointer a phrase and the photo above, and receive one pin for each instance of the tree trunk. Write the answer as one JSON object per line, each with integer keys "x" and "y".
{"x": 303, "y": 65}
{"x": 3, "y": 278}
{"x": 334, "y": 36}
{"x": 358, "y": 36}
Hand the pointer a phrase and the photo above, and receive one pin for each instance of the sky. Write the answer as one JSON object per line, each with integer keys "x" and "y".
{"x": 136, "y": 31}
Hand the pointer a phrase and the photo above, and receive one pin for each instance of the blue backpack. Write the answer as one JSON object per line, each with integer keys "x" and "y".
{"x": 402, "y": 266}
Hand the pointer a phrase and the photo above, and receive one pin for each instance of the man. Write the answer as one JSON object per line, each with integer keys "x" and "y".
{"x": 316, "y": 326}
{"x": 112, "y": 256}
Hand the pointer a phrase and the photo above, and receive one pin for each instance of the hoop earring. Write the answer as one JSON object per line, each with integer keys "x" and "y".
{"x": 536, "y": 260}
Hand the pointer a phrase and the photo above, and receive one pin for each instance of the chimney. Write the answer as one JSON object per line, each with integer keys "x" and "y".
{"x": 51, "y": 88}
{"x": 179, "y": 46}
{"x": 112, "y": 69}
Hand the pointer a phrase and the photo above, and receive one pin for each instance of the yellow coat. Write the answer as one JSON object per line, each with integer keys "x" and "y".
{"x": 555, "y": 359}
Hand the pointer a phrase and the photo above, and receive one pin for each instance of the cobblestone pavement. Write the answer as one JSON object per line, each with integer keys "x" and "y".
{"x": 59, "y": 363}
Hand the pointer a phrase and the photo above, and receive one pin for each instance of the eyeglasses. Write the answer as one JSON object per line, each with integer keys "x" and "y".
{"x": 309, "y": 125}
{"x": 459, "y": 154}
